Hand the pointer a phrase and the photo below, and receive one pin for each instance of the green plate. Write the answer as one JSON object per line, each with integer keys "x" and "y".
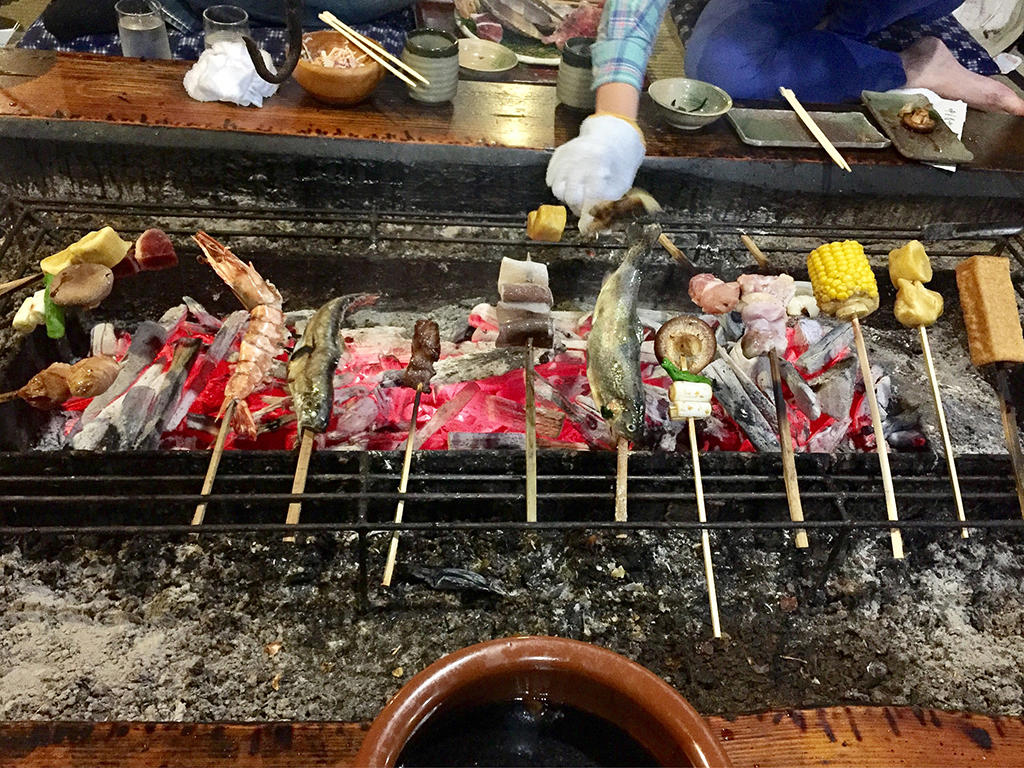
{"x": 940, "y": 146}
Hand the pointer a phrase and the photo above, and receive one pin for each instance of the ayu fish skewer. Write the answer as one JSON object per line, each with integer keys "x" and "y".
{"x": 917, "y": 307}
{"x": 426, "y": 350}
{"x": 613, "y": 354}
{"x": 262, "y": 342}
{"x": 691, "y": 342}
{"x": 994, "y": 337}
{"x": 845, "y": 287}
{"x": 524, "y": 320}
{"x": 311, "y": 382}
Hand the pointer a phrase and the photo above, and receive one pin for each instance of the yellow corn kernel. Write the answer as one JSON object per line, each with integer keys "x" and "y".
{"x": 843, "y": 283}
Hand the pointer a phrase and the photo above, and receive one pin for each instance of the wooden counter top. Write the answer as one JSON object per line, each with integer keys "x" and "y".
{"x": 840, "y": 737}
{"x": 85, "y": 88}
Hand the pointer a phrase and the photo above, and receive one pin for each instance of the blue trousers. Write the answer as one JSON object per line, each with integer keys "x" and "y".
{"x": 815, "y": 47}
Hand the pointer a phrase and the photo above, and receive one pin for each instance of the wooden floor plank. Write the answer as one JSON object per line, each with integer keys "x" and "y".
{"x": 840, "y": 737}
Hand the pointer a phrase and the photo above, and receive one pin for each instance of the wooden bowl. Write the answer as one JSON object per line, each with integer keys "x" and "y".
{"x": 586, "y": 677}
{"x": 336, "y": 85}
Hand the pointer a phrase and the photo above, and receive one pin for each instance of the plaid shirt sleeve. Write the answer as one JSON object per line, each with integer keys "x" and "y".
{"x": 625, "y": 39}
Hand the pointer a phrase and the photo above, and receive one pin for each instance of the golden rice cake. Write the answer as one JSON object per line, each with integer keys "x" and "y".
{"x": 989, "y": 304}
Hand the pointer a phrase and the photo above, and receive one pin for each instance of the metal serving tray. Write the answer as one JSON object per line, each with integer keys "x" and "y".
{"x": 782, "y": 128}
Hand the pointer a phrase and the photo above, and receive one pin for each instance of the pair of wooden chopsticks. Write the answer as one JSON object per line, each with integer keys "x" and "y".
{"x": 371, "y": 49}
{"x": 812, "y": 126}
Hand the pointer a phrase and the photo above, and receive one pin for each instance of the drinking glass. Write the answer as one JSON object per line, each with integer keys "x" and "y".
{"x": 142, "y": 30}
{"x": 224, "y": 22}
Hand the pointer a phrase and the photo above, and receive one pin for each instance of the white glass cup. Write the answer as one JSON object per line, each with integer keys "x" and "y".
{"x": 142, "y": 30}
{"x": 224, "y": 23}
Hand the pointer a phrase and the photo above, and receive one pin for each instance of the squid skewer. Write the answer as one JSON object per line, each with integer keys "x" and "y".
{"x": 263, "y": 341}
{"x": 311, "y": 383}
{"x": 426, "y": 350}
{"x": 691, "y": 341}
{"x": 917, "y": 307}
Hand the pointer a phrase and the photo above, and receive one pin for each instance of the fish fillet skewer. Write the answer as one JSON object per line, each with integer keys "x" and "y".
{"x": 943, "y": 429}
{"x": 403, "y": 484}
{"x": 531, "y": 437}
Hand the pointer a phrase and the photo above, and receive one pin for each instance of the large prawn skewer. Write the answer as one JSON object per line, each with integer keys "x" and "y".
{"x": 263, "y": 340}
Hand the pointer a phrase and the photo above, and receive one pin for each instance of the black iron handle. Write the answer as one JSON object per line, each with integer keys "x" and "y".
{"x": 293, "y": 19}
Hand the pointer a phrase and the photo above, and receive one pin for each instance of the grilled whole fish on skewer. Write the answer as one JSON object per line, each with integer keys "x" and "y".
{"x": 314, "y": 359}
{"x": 613, "y": 347}
{"x": 264, "y": 338}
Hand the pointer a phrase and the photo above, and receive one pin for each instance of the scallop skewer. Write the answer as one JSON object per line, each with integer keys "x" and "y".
{"x": 691, "y": 341}
{"x": 917, "y": 307}
{"x": 845, "y": 287}
{"x": 426, "y": 350}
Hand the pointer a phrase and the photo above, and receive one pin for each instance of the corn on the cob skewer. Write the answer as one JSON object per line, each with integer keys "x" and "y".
{"x": 845, "y": 287}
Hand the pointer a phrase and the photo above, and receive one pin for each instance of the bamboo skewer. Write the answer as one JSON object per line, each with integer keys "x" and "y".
{"x": 705, "y": 536}
{"x": 880, "y": 446}
{"x": 299, "y": 481}
{"x": 403, "y": 484}
{"x": 621, "y": 480}
{"x": 13, "y": 285}
{"x": 757, "y": 253}
{"x": 789, "y": 476}
{"x": 946, "y": 444}
{"x": 673, "y": 250}
{"x": 211, "y": 470}
{"x": 1010, "y": 431}
{"x": 372, "y": 49}
{"x": 531, "y": 437}
{"x": 812, "y": 126}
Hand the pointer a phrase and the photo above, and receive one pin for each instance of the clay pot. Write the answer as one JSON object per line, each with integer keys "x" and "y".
{"x": 556, "y": 670}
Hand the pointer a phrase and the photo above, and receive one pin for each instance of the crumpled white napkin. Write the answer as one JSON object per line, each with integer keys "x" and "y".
{"x": 224, "y": 72}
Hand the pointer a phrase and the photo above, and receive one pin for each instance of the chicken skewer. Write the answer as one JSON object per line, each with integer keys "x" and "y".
{"x": 767, "y": 301}
{"x": 845, "y": 287}
{"x": 994, "y": 337}
{"x": 426, "y": 350}
{"x": 917, "y": 307}
{"x": 311, "y": 383}
{"x": 263, "y": 341}
{"x": 691, "y": 342}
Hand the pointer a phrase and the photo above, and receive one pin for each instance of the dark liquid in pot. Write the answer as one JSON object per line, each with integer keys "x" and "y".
{"x": 519, "y": 733}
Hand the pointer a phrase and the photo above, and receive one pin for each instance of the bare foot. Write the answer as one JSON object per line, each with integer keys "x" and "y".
{"x": 929, "y": 64}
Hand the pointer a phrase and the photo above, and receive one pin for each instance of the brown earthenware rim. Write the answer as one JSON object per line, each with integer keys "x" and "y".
{"x": 553, "y": 669}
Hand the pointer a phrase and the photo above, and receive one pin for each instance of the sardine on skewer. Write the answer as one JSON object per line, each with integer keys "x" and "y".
{"x": 613, "y": 347}
{"x": 311, "y": 381}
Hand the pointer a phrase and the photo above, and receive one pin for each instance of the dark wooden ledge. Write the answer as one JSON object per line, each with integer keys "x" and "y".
{"x": 841, "y": 737}
{"x": 90, "y": 89}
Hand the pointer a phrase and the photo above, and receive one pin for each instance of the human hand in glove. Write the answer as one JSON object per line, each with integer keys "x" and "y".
{"x": 599, "y": 164}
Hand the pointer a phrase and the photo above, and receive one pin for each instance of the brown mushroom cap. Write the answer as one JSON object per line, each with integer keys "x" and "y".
{"x": 688, "y": 340}
{"x": 82, "y": 285}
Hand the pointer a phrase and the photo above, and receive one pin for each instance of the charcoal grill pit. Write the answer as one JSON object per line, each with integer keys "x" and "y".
{"x": 76, "y": 524}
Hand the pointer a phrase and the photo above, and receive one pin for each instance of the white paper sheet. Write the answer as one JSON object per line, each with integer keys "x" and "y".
{"x": 7, "y": 34}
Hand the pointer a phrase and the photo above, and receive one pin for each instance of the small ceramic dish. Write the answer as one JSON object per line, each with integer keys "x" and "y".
{"x": 336, "y": 85}
{"x": 485, "y": 57}
{"x": 689, "y": 104}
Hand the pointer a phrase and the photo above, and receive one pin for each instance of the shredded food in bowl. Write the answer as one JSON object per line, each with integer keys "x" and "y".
{"x": 338, "y": 57}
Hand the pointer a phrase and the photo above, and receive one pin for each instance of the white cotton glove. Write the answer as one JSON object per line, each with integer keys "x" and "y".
{"x": 597, "y": 165}
{"x": 225, "y": 72}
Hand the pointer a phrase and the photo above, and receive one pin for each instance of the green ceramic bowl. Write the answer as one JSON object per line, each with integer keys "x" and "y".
{"x": 689, "y": 104}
